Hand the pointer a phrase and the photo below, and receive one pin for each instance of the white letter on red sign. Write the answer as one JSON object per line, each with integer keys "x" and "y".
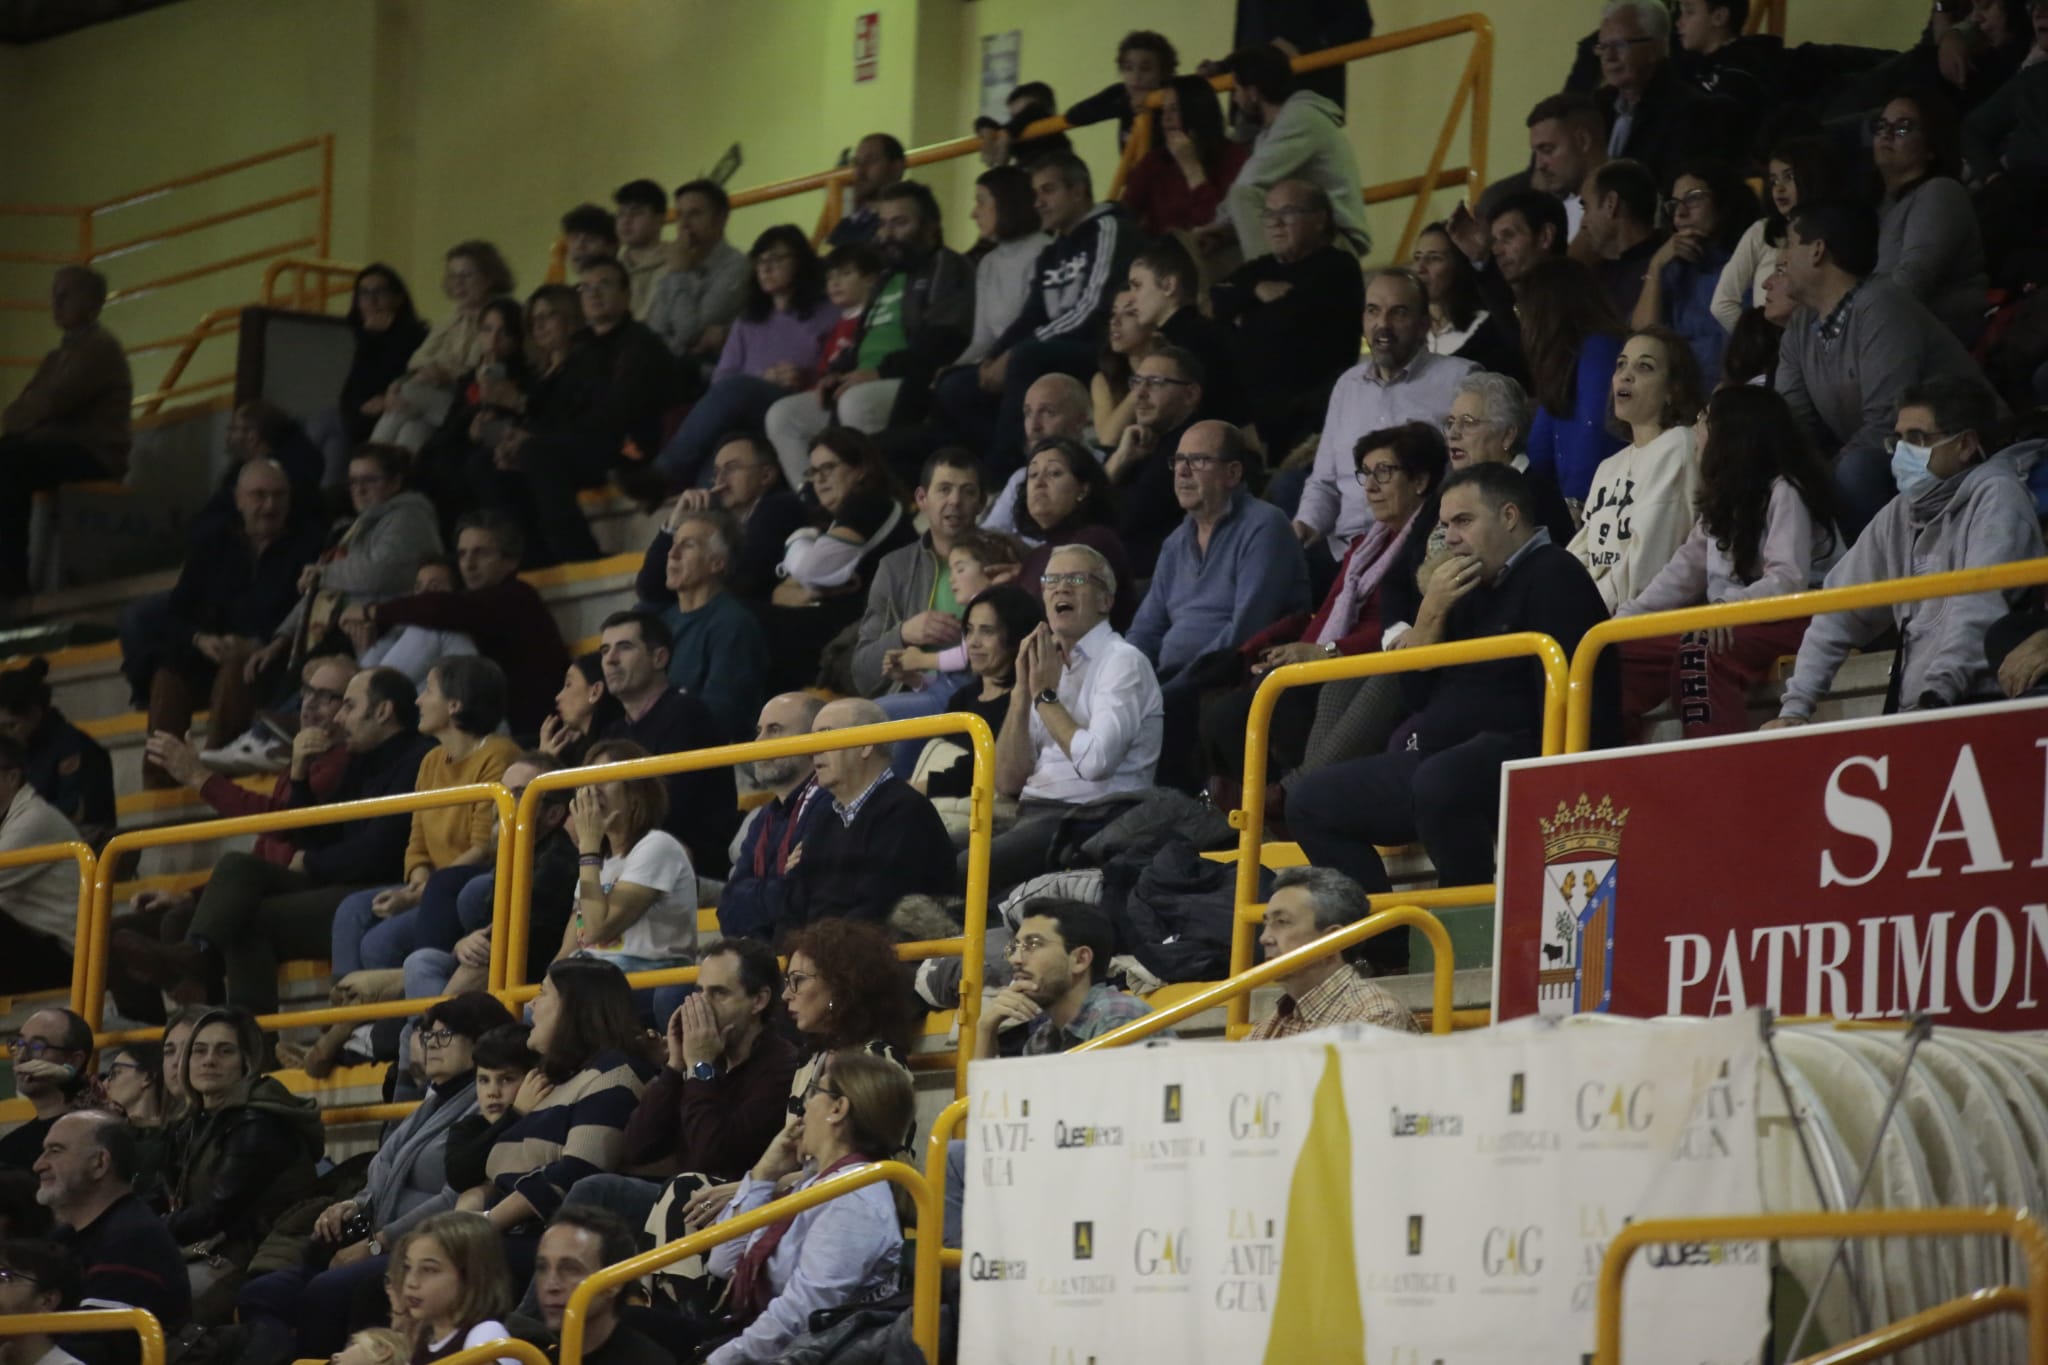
{"x": 1966, "y": 796}
{"x": 1690, "y": 958}
{"x": 1859, "y": 817}
{"x": 1966, "y": 960}
{"x": 1827, "y": 990}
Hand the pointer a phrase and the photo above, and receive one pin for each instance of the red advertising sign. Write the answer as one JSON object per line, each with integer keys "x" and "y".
{"x": 867, "y": 46}
{"x": 1862, "y": 871}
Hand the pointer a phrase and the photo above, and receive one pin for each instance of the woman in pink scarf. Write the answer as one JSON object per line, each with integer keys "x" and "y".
{"x": 1400, "y": 469}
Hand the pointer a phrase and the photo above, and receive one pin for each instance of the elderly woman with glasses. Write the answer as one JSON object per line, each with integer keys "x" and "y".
{"x": 300, "y": 1309}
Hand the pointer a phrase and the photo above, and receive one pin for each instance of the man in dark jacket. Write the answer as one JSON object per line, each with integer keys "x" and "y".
{"x": 614, "y": 390}
{"x": 1295, "y": 314}
{"x": 254, "y": 914}
{"x": 751, "y": 906}
{"x": 746, "y": 482}
{"x": 1065, "y": 317}
{"x": 500, "y": 611}
{"x": 86, "y": 1177}
{"x": 1653, "y": 114}
{"x": 234, "y": 589}
{"x": 1443, "y": 785}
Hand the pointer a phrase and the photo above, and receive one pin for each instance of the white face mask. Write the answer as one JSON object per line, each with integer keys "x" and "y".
{"x": 1909, "y": 468}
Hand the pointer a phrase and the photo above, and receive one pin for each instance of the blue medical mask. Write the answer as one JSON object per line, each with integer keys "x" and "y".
{"x": 1909, "y": 468}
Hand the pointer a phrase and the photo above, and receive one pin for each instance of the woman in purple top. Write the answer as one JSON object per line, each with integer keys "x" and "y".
{"x": 771, "y": 352}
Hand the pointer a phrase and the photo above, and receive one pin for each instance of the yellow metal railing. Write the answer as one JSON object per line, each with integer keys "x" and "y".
{"x": 924, "y": 1310}
{"x": 88, "y": 865}
{"x": 511, "y": 918}
{"x": 1238, "y": 988}
{"x": 504, "y": 1348}
{"x": 2024, "y": 1231}
{"x": 1472, "y": 95}
{"x": 315, "y": 282}
{"x": 1659, "y": 624}
{"x": 90, "y": 223}
{"x": 143, "y": 1324}
{"x": 1251, "y": 820}
{"x": 89, "y": 966}
{"x": 1930, "y": 1322}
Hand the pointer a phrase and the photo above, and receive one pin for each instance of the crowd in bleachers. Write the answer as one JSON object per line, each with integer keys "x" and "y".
{"x": 1090, "y": 480}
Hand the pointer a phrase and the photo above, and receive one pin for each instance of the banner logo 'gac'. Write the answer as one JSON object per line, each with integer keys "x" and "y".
{"x": 1581, "y": 851}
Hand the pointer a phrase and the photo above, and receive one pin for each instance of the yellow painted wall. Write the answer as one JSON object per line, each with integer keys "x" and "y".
{"x": 459, "y": 118}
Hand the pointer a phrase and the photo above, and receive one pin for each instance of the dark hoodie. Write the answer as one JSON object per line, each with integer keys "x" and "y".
{"x": 243, "y": 1164}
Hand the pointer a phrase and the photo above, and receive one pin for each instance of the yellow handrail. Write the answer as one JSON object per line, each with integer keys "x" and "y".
{"x": 89, "y": 971}
{"x": 1250, "y": 821}
{"x": 924, "y": 1309}
{"x": 79, "y": 852}
{"x": 511, "y": 919}
{"x": 1474, "y": 88}
{"x": 504, "y": 1348}
{"x": 1241, "y": 985}
{"x": 301, "y": 267}
{"x": 143, "y": 1324}
{"x": 1929, "y": 1322}
{"x": 2026, "y": 1232}
{"x": 2024, "y": 573}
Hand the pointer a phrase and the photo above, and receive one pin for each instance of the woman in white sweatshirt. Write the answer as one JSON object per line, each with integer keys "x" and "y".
{"x": 1766, "y": 528}
{"x": 1640, "y": 503}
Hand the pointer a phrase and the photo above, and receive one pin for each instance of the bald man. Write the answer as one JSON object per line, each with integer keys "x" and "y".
{"x": 878, "y": 841}
{"x": 70, "y": 424}
{"x": 1054, "y": 405}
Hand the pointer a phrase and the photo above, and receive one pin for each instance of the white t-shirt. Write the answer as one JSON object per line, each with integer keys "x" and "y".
{"x": 668, "y": 931}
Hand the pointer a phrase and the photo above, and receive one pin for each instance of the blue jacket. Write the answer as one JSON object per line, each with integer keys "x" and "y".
{"x": 1253, "y": 574}
{"x": 752, "y": 904}
{"x": 1570, "y": 446}
{"x": 1689, "y": 310}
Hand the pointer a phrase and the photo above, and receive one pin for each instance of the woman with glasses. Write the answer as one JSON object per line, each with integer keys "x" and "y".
{"x": 1766, "y": 528}
{"x": 771, "y": 352}
{"x": 132, "y": 1081}
{"x": 1709, "y": 209}
{"x": 826, "y": 567}
{"x": 1400, "y": 469}
{"x": 1798, "y": 168}
{"x": 1928, "y": 242}
{"x": 386, "y": 329}
{"x": 300, "y": 1310}
{"x": 845, "y": 1251}
{"x": 246, "y": 1153}
{"x": 1180, "y": 183}
{"x": 846, "y": 992}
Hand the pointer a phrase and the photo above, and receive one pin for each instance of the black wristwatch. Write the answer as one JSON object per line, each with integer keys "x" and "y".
{"x": 1047, "y": 697}
{"x": 704, "y": 1071}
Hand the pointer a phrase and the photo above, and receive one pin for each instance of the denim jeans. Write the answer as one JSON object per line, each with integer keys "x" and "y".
{"x": 734, "y": 403}
{"x": 928, "y": 701}
{"x": 361, "y": 940}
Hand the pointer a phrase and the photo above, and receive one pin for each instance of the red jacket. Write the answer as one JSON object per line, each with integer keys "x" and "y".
{"x": 231, "y": 798}
{"x": 1157, "y": 193}
{"x": 1364, "y": 636}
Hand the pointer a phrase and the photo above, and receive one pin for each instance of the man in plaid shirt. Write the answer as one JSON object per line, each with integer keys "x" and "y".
{"x": 1307, "y": 903}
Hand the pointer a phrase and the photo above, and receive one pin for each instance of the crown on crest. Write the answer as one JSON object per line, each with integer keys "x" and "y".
{"x": 1584, "y": 828}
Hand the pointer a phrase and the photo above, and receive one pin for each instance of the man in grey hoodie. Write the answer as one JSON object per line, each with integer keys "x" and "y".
{"x": 1300, "y": 137}
{"x": 1958, "y": 507}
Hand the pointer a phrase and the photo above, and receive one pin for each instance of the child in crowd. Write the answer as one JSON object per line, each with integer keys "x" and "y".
{"x": 502, "y": 1061}
{"x": 851, "y": 274}
{"x": 374, "y": 1346}
{"x": 456, "y": 1286}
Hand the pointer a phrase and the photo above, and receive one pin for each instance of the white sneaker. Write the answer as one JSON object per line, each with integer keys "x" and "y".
{"x": 252, "y": 753}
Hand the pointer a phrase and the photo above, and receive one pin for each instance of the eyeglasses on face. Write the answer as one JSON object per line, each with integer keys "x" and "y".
{"x": 1285, "y": 213}
{"x": 33, "y": 1048}
{"x": 1462, "y": 426}
{"x": 1926, "y": 440}
{"x": 1619, "y": 46}
{"x": 1031, "y": 943}
{"x": 437, "y": 1037}
{"x": 16, "y": 1277}
{"x": 1691, "y": 199}
{"x": 1142, "y": 382}
{"x": 1379, "y": 475}
{"x": 1881, "y": 128}
{"x": 1176, "y": 463}
{"x": 1066, "y": 580}
{"x": 794, "y": 981}
{"x": 112, "y": 1069}
{"x": 823, "y": 470}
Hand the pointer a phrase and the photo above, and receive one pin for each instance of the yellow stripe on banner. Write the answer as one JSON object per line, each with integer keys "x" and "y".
{"x": 1316, "y": 1312}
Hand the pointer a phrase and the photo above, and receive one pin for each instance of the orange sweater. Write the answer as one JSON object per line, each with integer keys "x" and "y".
{"x": 441, "y": 836}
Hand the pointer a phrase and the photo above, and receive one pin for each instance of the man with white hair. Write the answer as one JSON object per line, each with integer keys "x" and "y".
{"x": 1055, "y": 405}
{"x": 1653, "y": 115}
{"x": 880, "y": 840}
{"x": 1489, "y": 424}
{"x": 720, "y": 655}
{"x": 1085, "y": 716}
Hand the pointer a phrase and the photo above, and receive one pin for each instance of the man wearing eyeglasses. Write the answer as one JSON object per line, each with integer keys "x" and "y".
{"x": 1652, "y": 114}
{"x": 1085, "y": 718}
{"x": 49, "y": 1056}
{"x": 1401, "y": 381}
{"x": 36, "y": 1277}
{"x": 1229, "y": 570}
{"x": 1960, "y": 506}
{"x": 1168, "y": 386}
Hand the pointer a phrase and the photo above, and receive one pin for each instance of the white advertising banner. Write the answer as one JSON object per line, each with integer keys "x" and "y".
{"x": 1362, "y": 1196}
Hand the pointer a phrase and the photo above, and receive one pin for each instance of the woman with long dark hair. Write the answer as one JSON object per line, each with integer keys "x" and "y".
{"x": 994, "y": 623}
{"x": 1180, "y": 183}
{"x": 1710, "y": 208}
{"x": 1127, "y": 340}
{"x": 771, "y": 352}
{"x": 1572, "y": 336}
{"x": 1067, "y": 501}
{"x": 416, "y": 403}
{"x": 387, "y": 330}
{"x": 584, "y": 709}
{"x": 1459, "y": 323}
{"x": 1003, "y": 257}
{"x": 1928, "y": 242}
{"x": 1766, "y": 528}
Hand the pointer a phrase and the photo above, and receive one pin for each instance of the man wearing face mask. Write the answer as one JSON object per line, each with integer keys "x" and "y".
{"x": 1959, "y": 507}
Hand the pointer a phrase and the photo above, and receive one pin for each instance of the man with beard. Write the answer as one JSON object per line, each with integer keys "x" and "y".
{"x": 703, "y": 810}
{"x": 918, "y": 317}
{"x": 1058, "y": 993}
{"x": 1169, "y": 384}
{"x": 1567, "y": 143}
{"x": 1401, "y": 381}
{"x": 752, "y": 903}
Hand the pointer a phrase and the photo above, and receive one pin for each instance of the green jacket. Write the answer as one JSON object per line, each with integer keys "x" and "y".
{"x": 243, "y": 1164}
